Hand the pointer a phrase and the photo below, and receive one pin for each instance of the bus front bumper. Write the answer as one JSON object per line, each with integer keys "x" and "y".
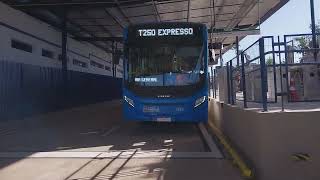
{"x": 175, "y": 112}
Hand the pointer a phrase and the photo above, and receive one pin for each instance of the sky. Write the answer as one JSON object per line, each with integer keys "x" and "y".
{"x": 292, "y": 18}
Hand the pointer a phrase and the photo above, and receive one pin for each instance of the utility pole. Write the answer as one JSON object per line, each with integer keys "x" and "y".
{"x": 313, "y": 28}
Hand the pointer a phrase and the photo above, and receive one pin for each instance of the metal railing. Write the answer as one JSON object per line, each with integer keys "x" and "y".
{"x": 271, "y": 69}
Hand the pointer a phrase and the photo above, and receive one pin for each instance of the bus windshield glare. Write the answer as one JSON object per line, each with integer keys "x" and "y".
{"x": 165, "y": 65}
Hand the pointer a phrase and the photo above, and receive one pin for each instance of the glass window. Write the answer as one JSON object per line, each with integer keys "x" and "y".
{"x": 165, "y": 65}
{"x": 107, "y": 68}
{"x": 60, "y": 58}
{"x": 21, "y": 46}
{"x": 96, "y": 64}
{"x": 47, "y": 53}
{"x": 80, "y": 63}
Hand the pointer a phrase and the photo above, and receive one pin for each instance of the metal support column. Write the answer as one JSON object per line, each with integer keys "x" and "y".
{"x": 112, "y": 46}
{"x": 212, "y": 81}
{"x": 313, "y": 27}
{"x": 215, "y": 82}
{"x": 287, "y": 76}
{"x": 281, "y": 77}
{"x": 64, "y": 57}
{"x": 234, "y": 97}
{"x": 237, "y": 50}
{"x": 243, "y": 80}
{"x": 263, "y": 70}
{"x": 274, "y": 71}
{"x": 231, "y": 83}
{"x": 221, "y": 59}
{"x": 228, "y": 83}
{"x": 115, "y": 65}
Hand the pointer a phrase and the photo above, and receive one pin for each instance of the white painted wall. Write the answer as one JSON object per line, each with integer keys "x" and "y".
{"x": 30, "y": 25}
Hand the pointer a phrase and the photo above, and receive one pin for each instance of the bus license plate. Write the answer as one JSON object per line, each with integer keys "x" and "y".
{"x": 162, "y": 119}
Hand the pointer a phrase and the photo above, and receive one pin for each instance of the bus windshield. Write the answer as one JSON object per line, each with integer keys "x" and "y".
{"x": 165, "y": 65}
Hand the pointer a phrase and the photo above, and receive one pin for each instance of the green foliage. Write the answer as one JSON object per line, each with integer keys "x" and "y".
{"x": 317, "y": 27}
{"x": 306, "y": 42}
{"x": 269, "y": 61}
{"x": 303, "y": 42}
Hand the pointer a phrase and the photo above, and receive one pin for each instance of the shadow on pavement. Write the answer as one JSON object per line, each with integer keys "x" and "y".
{"x": 100, "y": 128}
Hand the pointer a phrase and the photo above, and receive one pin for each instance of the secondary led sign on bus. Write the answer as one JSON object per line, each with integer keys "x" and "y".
{"x": 165, "y": 32}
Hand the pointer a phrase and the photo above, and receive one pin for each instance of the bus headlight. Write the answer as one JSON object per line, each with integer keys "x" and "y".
{"x": 129, "y": 101}
{"x": 199, "y": 101}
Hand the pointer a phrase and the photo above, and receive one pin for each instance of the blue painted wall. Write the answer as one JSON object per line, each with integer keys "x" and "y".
{"x": 26, "y": 90}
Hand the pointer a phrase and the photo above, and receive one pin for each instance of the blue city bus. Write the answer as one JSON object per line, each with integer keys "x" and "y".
{"x": 166, "y": 72}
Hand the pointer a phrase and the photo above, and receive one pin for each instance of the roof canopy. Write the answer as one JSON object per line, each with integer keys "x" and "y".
{"x": 102, "y": 22}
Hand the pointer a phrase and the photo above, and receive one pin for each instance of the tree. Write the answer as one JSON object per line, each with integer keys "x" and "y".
{"x": 305, "y": 42}
{"x": 317, "y": 27}
{"x": 269, "y": 61}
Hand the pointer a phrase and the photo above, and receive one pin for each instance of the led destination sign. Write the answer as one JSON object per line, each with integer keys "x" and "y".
{"x": 176, "y": 33}
{"x": 165, "y": 32}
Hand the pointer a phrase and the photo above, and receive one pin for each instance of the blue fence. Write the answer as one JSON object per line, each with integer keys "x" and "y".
{"x": 26, "y": 90}
{"x": 273, "y": 68}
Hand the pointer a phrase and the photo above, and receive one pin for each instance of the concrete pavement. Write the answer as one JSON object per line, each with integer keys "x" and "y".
{"x": 93, "y": 142}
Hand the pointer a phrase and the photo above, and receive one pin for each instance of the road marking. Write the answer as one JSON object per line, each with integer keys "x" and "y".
{"x": 112, "y": 154}
{"x": 110, "y": 131}
{"x": 53, "y": 154}
{"x": 91, "y": 132}
{"x": 4, "y": 132}
{"x": 209, "y": 141}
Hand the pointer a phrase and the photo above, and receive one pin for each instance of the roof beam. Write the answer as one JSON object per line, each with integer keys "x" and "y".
{"x": 78, "y": 4}
{"x": 157, "y": 15}
{"x": 95, "y": 21}
{"x": 92, "y": 35}
{"x": 137, "y": 16}
{"x": 115, "y": 19}
{"x": 78, "y": 27}
{"x": 212, "y": 14}
{"x": 243, "y": 12}
{"x": 223, "y": 20}
{"x": 172, "y": 12}
{"x": 273, "y": 10}
{"x": 170, "y": 2}
{"x": 188, "y": 13}
{"x": 239, "y": 28}
{"x": 219, "y": 7}
{"x": 73, "y": 32}
{"x": 95, "y": 39}
{"x": 121, "y": 11}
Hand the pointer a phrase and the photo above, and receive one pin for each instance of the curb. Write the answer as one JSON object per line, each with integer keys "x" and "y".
{"x": 244, "y": 168}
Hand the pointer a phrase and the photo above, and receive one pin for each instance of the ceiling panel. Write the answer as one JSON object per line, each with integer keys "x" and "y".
{"x": 110, "y": 21}
{"x": 200, "y": 12}
{"x": 200, "y": 3}
{"x": 170, "y": 16}
{"x": 118, "y": 16}
{"x": 178, "y": 6}
{"x": 137, "y": 11}
{"x": 221, "y": 24}
{"x": 175, "y": 20}
{"x": 200, "y": 19}
{"x": 143, "y": 19}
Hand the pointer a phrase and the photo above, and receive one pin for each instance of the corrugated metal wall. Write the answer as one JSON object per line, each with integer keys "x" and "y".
{"x": 26, "y": 90}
